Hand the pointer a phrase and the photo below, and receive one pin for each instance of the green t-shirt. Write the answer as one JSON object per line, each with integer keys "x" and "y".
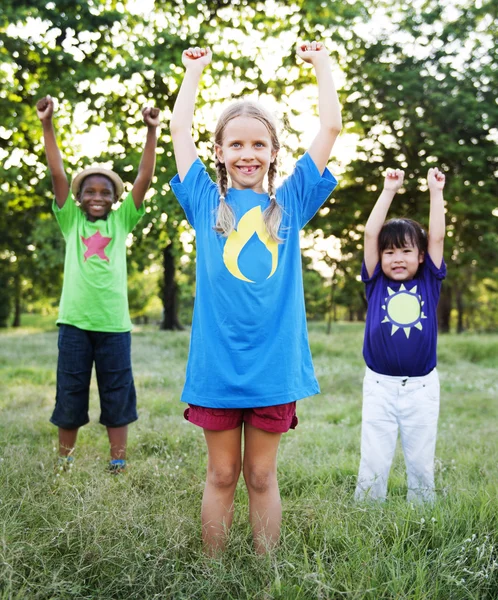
{"x": 94, "y": 292}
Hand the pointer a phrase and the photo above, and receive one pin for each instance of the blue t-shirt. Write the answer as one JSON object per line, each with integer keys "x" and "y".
{"x": 249, "y": 342}
{"x": 401, "y": 328}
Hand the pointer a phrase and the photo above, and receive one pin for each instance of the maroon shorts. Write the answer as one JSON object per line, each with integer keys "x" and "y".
{"x": 274, "y": 419}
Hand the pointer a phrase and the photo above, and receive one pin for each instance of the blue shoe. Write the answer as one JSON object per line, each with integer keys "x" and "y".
{"x": 65, "y": 463}
{"x": 116, "y": 466}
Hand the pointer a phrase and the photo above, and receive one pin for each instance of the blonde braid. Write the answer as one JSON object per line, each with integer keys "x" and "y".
{"x": 225, "y": 219}
{"x": 272, "y": 216}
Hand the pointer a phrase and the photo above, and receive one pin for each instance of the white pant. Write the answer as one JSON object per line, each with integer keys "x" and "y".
{"x": 412, "y": 404}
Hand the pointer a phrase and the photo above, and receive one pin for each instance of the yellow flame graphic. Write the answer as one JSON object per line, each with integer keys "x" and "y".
{"x": 251, "y": 223}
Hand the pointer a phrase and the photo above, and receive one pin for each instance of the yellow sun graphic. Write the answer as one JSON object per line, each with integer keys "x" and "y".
{"x": 403, "y": 310}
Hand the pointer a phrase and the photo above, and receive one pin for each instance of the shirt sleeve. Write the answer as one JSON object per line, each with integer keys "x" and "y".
{"x": 306, "y": 189}
{"x": 370, "y": 281}
{"x": 67, "y": 215}
{"x": 128, "y": 214}
{"x": 196, "y": 187}
{"x": 440, "y": 273}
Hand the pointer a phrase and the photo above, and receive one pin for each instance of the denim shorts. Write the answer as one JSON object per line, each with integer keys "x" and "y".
{"x": 111, "y": 352}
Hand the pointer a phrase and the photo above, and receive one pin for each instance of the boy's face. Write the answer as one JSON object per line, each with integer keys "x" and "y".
{"x": 401, "y": 264}
{"x": 96, "y": 196}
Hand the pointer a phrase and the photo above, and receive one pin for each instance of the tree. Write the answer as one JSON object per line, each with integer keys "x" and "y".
{"x": 102, "y": 62}
{"x": 418, "y": 95}
{"x": 416, "y": 91}
{"x": 44, "y": 48}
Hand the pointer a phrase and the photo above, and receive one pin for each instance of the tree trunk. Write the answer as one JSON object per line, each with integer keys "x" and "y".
{"x": 361, "y": 312}
{"x": 5, "y": 296}
{"x": 460, "y": 310}
{"x": 17, "y": 301}
{"x": 170, "y": 320}
{"x": 444, "y": 309}
{"x": 332, "y": 310}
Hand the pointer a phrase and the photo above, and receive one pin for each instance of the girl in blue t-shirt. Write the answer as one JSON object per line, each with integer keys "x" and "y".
{"x": 403, "y": 269}
{"x": 249, "y": 358}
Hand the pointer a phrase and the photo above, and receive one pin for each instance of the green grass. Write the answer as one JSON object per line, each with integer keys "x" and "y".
{"x": 87, "y": 535}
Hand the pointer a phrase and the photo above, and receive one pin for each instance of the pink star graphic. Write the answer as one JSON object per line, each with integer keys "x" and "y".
{"x": 96, "y": 244}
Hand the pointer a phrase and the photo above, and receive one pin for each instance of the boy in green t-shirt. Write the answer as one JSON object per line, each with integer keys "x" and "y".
{"x": 94, "y": 321}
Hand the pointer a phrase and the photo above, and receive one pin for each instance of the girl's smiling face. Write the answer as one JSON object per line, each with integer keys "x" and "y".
{"x": 96, "y": 196}
{"x": 246, "y": 150}
{"x": 401, "y": 264}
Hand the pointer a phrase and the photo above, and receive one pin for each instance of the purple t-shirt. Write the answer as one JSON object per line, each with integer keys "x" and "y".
{"x": 401, "y": 328}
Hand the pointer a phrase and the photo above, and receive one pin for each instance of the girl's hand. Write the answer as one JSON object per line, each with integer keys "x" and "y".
{"x": 151, "y": 116}
{"x": 435, "y": 179}
{"x": 196, "y": 58}
{"x": 312, "y": 52}
{"x": 394, "y": 179}
{"x": 45, "y": 108}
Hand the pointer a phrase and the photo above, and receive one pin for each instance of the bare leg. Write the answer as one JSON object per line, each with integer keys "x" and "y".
{"x": 67, "y": 441}
{"x": 260, "y": 474}
{"x": 223, "y": 471}
{"x": 118, "y": 437}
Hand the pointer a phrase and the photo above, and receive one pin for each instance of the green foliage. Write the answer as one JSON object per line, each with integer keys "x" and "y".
{"x": 103, "y": 63}
{"x": 316, "y": 295}
{"x": 142, "y": 288}
{"x": 419, "y": 90}
{"x": 419, "y": 94}
{"x": 41, "y": 53}
{"x": 481, "y": 305}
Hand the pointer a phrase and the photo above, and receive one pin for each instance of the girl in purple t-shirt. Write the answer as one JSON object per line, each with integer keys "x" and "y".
{"x": 402, "y": 271}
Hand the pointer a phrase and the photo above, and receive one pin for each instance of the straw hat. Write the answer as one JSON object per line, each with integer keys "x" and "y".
{"x": 114, "y": 177}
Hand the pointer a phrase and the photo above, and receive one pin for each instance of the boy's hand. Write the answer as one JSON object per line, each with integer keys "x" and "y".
{"x": 45, "y": 108}
{"x": 435, "y": 179}
{"x": 394, "y": 179}
{"x": 196, "y": 58}
{"x": 151, "y": 116}
{"x": 312, "y": 52}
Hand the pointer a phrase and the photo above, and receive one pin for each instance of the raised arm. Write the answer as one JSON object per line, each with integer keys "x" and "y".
{"x": 329, "y": 109}
{"x": 392, "y": 183}
{"x": 148, "y": 161}
{"x": 194, "y": 60}
{"x": 437, "y": 226}
{"x": 60, "y": 184}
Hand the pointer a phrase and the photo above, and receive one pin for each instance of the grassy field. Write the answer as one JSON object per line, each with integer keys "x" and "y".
{"x": 87, "y": 535}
